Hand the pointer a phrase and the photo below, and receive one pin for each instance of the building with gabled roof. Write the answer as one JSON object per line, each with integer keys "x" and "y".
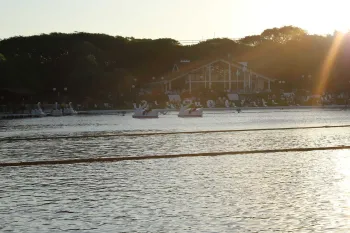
{"x": 219, "y": 74}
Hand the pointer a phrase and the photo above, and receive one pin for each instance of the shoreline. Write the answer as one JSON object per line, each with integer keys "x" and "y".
{"x": 123, "y": 111}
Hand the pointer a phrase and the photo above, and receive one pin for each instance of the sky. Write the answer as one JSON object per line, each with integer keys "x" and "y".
{"x": 177, "y": 19}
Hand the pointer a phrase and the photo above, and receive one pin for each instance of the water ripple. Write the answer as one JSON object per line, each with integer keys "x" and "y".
{"x": 302, "y": 192}
{"x": 283, "y": 192}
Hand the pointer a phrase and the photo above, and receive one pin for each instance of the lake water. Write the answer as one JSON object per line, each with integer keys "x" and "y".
{"x": 271, "y": 192}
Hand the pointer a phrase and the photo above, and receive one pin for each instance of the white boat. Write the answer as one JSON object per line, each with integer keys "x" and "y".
{"x": 56, "y": 111}
{"x": 229, "y": 104}
{"x": 210, "y": 104}
{"x": 190, "y": 111}
{"x": 144, "y": 111}
{"x": 38, "y": 112}
{"x": 69, "y": 111}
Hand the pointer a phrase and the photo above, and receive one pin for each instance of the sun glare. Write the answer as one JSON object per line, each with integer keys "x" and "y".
{"x": 328, "y": 27}
{"x": 345, "y": 28}
{"x": 319, "y": 17}
{"x": 339, "y": 25}
{"x": 328, "y": 63}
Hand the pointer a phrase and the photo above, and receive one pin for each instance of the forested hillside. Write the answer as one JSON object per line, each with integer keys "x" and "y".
{"x": 89, "y": 64}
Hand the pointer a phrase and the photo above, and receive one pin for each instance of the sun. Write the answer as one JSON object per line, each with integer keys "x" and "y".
{"x": 323, "y": 17}
{"x": 329, "y": 26}
{"x": 340, "y": 25}
{"x": 344, "y": 29}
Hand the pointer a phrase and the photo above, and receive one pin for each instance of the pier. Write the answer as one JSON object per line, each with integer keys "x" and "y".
{"x": 123, "y": 112}
{"x": 17, "y": 116}
{"x": 105, "y": 112}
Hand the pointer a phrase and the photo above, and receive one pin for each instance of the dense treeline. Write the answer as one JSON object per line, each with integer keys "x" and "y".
{"x": 96, "y": 64}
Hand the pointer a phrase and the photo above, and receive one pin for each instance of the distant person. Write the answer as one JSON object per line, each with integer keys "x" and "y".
{"x": 192, "y": 107}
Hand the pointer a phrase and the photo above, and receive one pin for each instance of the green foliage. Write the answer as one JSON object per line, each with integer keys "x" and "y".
{"x": 277, "y": 35}
{"x": 252, "y": 40}
{"x": 2, "y": 58}
{"x": 88, "y": 62}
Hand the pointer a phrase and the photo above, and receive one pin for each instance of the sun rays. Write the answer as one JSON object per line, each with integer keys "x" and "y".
{"x": 328, "y": 63}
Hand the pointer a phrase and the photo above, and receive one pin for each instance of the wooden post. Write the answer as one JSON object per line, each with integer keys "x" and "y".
{"x": 249, "y": 81}
{"x": 224, "y": 80}
{"x": 229, "y": 77}
{"x": 244, "y": 84}
{"x": 205, "y": 78}
{"x": 209, "y": 76}
{"x": 237, "y": 74}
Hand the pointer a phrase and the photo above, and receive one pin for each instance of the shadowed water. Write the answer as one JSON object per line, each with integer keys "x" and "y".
{"x": 280, "y": 192}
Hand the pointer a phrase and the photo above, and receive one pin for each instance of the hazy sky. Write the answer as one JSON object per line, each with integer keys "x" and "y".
{"x": 178, "y": 19}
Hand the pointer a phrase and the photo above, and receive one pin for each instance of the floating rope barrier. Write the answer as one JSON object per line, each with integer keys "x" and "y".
{"x": 166, "y": 133}
{"x": 125, "y": 158}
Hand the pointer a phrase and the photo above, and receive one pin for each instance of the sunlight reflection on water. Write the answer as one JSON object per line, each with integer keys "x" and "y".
{"x": 296, "y": 192}
{"x": 280, "y": 192}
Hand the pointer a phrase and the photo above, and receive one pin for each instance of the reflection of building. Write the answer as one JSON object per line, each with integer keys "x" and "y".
{"x": 217, "y": 74}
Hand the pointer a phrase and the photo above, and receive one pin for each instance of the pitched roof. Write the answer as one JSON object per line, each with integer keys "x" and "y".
{"x": 194, "y": 66}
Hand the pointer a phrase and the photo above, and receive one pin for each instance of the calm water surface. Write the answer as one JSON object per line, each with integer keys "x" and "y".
{"x": 280, "y": 192}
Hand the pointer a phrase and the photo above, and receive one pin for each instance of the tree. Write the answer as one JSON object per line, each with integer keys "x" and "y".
{"x": 283, "y": 34}
{"x": 87, "y": 62}
{"x": 288, "y": 33}
{"x": 2, "y": 58}
{"x": 252, "y": 40}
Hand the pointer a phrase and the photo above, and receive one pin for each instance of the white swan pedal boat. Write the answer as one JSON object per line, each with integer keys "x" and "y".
{"x": 38, "y": 112}
{"x": 56, "y": 112}
{"x": 69, "y": 111}
{"x": 144, "y": 112}
{"x": 186, "y": 111}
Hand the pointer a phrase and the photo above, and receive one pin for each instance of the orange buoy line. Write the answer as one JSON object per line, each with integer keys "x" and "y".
{"x": 125, "y": 158}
